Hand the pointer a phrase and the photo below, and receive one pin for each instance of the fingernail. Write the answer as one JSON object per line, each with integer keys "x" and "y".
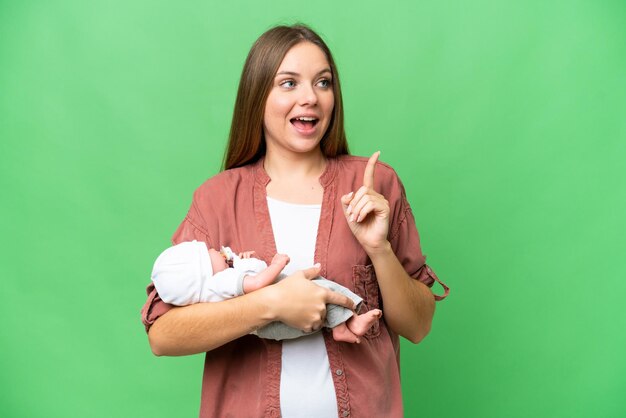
{"x": 349, "y": 210}
{"x": 351, "y": 218}
{"x": 317, "y": 265}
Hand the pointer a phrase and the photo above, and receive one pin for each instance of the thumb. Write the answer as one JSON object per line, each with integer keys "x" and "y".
{"x": 346, "y": 199}
{"x": 312, "y": 272}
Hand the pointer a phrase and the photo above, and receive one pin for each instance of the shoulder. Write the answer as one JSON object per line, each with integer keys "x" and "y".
{"x": 216, "y": 195}
{"x": 225, "y": 182}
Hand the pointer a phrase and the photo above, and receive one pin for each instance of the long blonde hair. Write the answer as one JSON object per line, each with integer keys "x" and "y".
{"x": 246, "y": 143}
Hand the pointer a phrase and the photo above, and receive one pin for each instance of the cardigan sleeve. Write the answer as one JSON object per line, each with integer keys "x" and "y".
{"x": 191, "y": 228}
{"x": 405, "y": 240}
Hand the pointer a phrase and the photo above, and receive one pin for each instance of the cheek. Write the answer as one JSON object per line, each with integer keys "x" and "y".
{"x": 280, "y": 107}
{"x": 329, "y": 103}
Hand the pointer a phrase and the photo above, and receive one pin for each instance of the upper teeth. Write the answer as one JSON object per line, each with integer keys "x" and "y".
{"x": 306, "y": 119}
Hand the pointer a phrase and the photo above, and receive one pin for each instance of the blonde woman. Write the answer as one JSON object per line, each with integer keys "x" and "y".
{"x": 290, "y": 186}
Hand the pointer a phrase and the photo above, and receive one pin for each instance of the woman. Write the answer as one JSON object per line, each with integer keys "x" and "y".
{"x": 291, "y": 187}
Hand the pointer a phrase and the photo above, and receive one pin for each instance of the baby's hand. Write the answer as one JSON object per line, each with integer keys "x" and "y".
{"x": 248, "y": 254}
{"x": 281, "y": 259}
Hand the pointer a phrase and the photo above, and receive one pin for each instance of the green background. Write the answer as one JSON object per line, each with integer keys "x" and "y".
{"x": 505, "y": 120}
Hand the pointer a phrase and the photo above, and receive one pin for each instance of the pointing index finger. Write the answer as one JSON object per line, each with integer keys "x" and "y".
{"x": 368, "y": 176}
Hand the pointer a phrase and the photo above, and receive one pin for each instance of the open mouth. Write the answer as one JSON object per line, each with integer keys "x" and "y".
{"x": 304, "y": 123}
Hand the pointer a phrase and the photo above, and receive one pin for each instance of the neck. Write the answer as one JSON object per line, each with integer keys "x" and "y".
{"x": 283, "y": 165}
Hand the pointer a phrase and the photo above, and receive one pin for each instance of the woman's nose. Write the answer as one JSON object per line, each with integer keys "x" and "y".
{"x": 308, "y": 95}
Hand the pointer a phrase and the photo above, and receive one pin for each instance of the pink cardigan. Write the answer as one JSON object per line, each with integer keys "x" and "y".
{"x": 242, "y": 378}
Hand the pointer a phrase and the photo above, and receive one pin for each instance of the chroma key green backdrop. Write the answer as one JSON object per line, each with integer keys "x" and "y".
{"x": 505, "y": 120}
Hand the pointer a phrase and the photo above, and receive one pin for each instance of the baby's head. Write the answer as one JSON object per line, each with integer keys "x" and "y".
{"x": 183, "y": 266}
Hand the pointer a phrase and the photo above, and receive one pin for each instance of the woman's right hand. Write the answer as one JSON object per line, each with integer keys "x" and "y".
{"x": 301, "y": 304}
{"x": 201, "y": 327}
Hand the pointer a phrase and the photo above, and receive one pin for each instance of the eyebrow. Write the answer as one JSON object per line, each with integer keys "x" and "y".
{"x": 292, "y": 73}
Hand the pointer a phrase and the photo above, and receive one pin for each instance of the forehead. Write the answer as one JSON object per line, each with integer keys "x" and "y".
{"x": 304, "y": 56}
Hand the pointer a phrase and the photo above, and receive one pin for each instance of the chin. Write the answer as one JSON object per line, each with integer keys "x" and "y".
{"x": 305, "y": 146}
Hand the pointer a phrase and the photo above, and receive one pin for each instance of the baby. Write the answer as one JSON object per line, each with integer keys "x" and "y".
{"x": 188, "y": 273}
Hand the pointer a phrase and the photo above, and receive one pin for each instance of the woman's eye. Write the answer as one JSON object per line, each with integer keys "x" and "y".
{"x": 325, "y": 83}
{"x": 288, "y": 84}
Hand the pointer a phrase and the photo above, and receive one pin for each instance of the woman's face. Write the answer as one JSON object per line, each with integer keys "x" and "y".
{"x": 300, "y": 104}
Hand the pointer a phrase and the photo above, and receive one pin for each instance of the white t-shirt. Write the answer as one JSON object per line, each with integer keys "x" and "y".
{"x": 306, "y": 385}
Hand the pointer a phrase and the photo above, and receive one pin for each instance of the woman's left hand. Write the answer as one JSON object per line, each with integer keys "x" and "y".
{"x": 367, "y": 212}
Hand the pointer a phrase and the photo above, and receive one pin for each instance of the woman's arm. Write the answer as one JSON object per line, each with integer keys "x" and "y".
{"x": 202, "y": 327}
{"x": 408, "y": 304}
